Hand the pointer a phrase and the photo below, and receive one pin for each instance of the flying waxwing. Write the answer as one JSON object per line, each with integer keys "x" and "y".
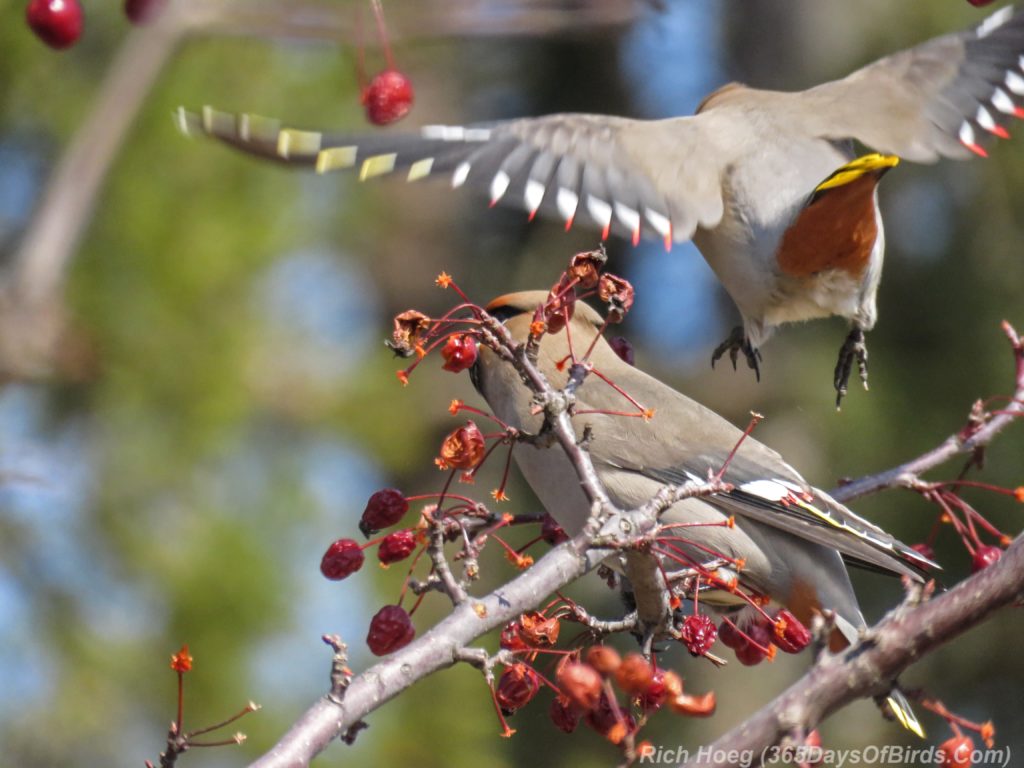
{"x": 766, "y": 183}
{"x": 793, "y": 538}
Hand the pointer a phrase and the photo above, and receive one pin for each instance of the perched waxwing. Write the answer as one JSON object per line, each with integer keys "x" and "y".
{"x": 794, "y": 540}
{"x": 766, "y": 183}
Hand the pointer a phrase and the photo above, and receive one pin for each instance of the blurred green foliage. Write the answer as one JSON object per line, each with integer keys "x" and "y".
{"x": 236, "y": 406}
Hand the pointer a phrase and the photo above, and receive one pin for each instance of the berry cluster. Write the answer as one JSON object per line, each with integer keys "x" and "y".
{"x": 611, "y": 694}
{"x": 973, "y": 529}
{"x": 958, "y": 751}
{"x": 758, "y": 640}
{"x": 391, "y": 628}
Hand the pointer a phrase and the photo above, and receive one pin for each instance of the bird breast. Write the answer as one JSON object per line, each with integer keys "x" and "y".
{"x": 765, "y": 192}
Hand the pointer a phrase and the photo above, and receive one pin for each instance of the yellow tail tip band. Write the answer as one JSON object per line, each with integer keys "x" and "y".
{"x": 292, "y": 142}
{"x": 377, "y": 165}
{"x": 334, "y": 158}
{"x": 905, "y": 715}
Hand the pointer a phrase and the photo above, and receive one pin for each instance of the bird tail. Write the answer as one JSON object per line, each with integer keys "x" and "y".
{"x": 898, "y": 704}
{"x": 430, "y": 151}
{"x": 904, "y": 713}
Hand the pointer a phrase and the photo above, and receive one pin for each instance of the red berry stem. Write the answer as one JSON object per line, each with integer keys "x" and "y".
{"x": 458, "y": 405}
{"x": 445, "y": 281}
{"x": 955, "y": 484}
{"x": 361, "y": 79}
{"x": 466, "y": 501}
{"x": 506, "y": 732}
{"x": 441, "y": 499}
{"x": 755, "y": 419}
{"x": 181, "y": 702}
{"x": 382, "y": 32}
{"x": 986, "y": 730}
{"x": 481, "y": 538}
{"x": 666, "y": 541}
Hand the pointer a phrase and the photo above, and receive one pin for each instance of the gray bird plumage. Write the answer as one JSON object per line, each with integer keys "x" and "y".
{"x": 792, "y": 537}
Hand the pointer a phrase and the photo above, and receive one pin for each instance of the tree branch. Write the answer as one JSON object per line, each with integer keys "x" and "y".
{"x": 31, "y": 320}
{"x": 869, "y": 667}
{"x": 438, "y": 648}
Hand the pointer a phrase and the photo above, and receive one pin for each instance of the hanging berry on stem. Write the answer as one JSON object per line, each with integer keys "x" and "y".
{"x": 388, "y": 96}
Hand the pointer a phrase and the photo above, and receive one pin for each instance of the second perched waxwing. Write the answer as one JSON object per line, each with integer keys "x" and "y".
{"x": 794, "y": 539}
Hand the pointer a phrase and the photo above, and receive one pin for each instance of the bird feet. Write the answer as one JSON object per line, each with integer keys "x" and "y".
{"x": 735, "y": 343}
{"x": 853, "y": 348}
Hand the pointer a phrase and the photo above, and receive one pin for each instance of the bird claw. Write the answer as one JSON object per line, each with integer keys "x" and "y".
{"x": 852, "y": 349}
{"x": 735, "y": 343}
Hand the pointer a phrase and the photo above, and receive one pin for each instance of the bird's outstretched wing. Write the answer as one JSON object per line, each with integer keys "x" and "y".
{"x": 949, "y": 96}
{"x": 638, "y": 178}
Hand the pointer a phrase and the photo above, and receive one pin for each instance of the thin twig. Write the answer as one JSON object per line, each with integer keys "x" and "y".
{"x": 435, "y": 550}
{"x": 437, "y": 649}
{"x": 599, "y": 627}
{"x": 978, "y": 434}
